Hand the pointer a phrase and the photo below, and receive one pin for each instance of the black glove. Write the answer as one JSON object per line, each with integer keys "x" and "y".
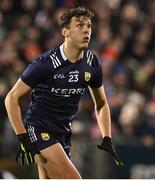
{"x": 26, "y": 150}
{"x": 108, "y": 147}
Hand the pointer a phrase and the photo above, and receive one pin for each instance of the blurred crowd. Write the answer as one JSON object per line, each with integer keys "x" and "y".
{"x": 123, "y": 38}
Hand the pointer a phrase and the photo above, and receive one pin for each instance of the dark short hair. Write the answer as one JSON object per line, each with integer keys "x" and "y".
{"x": 65, "y": 19}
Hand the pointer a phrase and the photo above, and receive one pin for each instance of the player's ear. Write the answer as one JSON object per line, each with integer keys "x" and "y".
{"x": 65, "y": 32}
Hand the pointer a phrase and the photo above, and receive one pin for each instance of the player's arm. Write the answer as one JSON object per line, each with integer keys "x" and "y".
{"x": 26, "y": 150}
{"x": 104, "y": 121}
{"x": 33, "y": 75}
{"x": 101, "y": 110}
{"x": 13, "y": 108}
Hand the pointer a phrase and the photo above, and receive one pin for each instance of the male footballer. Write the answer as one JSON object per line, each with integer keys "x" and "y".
{"x": 57, "y": 79}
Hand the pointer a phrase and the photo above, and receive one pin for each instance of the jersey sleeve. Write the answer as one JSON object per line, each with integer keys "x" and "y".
{"x": 97, "y": 75}
{"x": 35, "y": 73}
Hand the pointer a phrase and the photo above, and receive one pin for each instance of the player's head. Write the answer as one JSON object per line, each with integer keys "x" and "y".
{"x": 76, "y": 25}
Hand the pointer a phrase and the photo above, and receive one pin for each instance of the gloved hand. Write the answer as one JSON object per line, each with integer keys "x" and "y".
{"x": 26, "y": 150}
{"x": 108, "y": 147}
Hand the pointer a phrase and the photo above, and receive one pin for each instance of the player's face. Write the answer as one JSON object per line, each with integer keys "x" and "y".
{"x": 79, "y": 31}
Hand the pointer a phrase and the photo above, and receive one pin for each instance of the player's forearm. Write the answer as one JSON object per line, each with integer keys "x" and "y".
{"x": 14, "y": 113}
{"x": 104, "y": 120}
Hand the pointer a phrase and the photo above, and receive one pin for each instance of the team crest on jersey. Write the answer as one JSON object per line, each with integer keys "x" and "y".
{"x": 45, "y": 136}
{"x": 87, "y": 76}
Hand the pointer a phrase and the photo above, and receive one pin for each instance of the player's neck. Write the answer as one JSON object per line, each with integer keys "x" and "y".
{"x": 73, "y": 54}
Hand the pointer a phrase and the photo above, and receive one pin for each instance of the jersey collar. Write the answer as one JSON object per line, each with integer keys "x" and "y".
{"x": 62, "y": 52}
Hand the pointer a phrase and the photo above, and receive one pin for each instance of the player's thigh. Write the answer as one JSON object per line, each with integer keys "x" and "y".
{"x": 58, "y": 164}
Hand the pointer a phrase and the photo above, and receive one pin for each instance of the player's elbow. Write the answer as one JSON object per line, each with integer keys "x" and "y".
{"x": 100, "y": 105}
{"x": 11, "y": 97}
{"x": 7, "y": 99}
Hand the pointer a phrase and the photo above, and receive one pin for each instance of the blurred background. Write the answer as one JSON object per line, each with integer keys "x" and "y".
{"x": 123, "y": 37}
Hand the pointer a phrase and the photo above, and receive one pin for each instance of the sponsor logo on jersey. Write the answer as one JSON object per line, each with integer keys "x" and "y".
{"x": 59, "y": 76}
{"x": 67, "y": 92}
{"x": 87, "y": 76}
{"x": 45, "y": 136}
